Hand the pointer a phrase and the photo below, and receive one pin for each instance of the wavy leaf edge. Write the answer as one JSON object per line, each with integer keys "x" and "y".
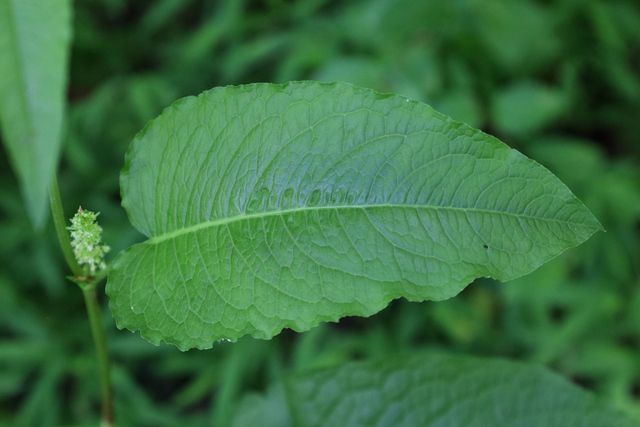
{"x": 156, "y": 336}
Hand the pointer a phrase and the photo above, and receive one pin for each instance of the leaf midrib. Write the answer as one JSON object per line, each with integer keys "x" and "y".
{"x": 242, "y": 217}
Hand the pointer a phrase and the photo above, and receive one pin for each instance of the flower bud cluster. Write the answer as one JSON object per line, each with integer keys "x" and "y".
{"x": 86, "y": 237}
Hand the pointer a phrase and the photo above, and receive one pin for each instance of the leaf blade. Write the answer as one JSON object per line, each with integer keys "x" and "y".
{"x": 272, "y": 206}
{"x": 34, "y": 39}
{"x": 436, "y": 389}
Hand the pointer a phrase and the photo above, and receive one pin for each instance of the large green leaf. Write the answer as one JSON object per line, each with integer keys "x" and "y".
{"x": 281, "y": 206}
{"x": 440, "y": 390}
{"x": 34, "y": 45}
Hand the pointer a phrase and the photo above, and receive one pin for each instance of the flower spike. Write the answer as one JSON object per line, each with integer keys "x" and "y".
{"x": 86, "y": 237}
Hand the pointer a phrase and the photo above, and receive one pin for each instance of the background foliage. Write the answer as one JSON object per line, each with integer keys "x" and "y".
{"x": 558, "y": 80}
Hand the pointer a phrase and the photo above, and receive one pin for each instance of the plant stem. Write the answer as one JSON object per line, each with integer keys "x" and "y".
{"x": 59, "y": 221}
{"x": 91, "y": 301}
{"x": 100, "y": 341}
{"x": 102, "y": 273}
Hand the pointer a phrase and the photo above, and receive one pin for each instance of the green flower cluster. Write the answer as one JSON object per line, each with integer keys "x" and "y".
{"x": 86, "y": 235}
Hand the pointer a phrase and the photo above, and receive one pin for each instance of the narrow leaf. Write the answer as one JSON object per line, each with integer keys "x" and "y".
{"x": 281, "y": 206}
{"x": 34, "y": 46}
{"x": 445, "y": 390}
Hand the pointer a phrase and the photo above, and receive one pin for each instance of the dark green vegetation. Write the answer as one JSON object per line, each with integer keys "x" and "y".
{"x": 556, "y": 80}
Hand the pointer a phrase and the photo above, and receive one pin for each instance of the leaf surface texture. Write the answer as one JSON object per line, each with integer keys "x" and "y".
{"x": 437, "y": 390}
{"x": 280, "y": 206}
{"x": 34, "y": 46}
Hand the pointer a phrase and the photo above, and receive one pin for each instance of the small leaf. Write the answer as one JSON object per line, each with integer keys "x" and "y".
{"x": 433, "y": 389}
{"x": 526, "y": 108}
{"x": 268, "y": 410}
{"x": 34, "y": 46}
{"x": 281, "y": 206}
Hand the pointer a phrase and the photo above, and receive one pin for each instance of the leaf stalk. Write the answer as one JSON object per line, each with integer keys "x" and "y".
{"x": 59, "y": 221}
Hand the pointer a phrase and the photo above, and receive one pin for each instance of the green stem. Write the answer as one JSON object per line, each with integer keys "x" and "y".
{"x": 91, "y": 301}
{"x": 102, "y": 273}
{"x": 100, "y": 341}
{"x": 61, "y": 228}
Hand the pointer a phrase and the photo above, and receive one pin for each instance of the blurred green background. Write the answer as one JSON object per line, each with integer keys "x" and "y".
{"x": 558, "y": 80}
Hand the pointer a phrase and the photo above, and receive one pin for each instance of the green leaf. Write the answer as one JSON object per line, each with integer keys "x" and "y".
{"x": 34, "y": 46}
{"x": 527, "y": 107}
{"x": 444, "y": 390}
{"x": 268, "y": 410}
{"x": 281, "y": 206}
